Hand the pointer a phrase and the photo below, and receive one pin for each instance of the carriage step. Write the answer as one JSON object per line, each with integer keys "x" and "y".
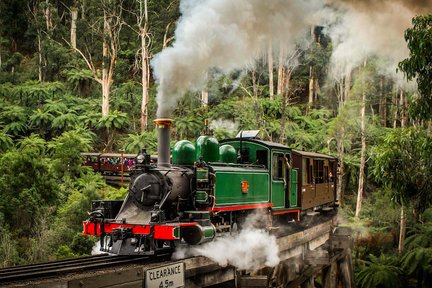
{"x": 327, "y": 209}
{"x": 312, "y": 213}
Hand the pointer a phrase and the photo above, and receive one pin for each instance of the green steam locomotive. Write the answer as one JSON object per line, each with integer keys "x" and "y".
{"x": 210, "y": 187}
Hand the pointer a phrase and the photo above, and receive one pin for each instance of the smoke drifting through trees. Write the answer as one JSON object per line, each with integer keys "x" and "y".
{"x": 363, "y": 29}
{"x": 229, "y": 35}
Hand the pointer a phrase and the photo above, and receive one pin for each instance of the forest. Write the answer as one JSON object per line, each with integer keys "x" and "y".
{"x": 82, "y": 75}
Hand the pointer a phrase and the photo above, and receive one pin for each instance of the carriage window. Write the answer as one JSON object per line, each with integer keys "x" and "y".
{"x": 307, "y": 171}
{"x": 326, "y": 174}
{"x": 277, "y": 166}
{"x": 261, "y": 157}
{"x": 319, "y": 171}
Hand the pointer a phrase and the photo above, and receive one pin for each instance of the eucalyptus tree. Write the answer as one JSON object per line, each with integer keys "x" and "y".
{"x": 402, "y": 162}
{"x": 104, "y": 21}
{"x": 418, "y": 65}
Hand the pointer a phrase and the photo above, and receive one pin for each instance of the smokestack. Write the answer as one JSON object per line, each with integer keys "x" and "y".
{"x": 164, "y": 130}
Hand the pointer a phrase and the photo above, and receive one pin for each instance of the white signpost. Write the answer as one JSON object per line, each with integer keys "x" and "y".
{"x": 171, "y": 276}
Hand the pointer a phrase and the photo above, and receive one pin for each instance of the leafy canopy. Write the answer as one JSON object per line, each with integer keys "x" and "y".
{"x": 403, "y": 163}
{"x": 419, "y": 63}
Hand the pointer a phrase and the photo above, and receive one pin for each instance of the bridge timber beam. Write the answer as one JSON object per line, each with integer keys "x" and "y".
{"x": 319, "y": 251}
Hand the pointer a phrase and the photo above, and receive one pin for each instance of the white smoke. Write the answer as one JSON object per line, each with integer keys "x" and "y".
{"x": 226, "y": 35}
{"x": 223, "y": 124}
{"x": 251, "y": 249}
{"x": 363, "y": 29}
{"x": 96, "y": 249}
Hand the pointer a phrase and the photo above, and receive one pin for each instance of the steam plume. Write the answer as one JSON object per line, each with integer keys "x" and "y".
{"x": 223, "y": 34}
{"x": 251, "y": 249}
{"x": 363, "y": 29}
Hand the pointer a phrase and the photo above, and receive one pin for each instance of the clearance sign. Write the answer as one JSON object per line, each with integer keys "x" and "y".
{"x": 170, "y": 276}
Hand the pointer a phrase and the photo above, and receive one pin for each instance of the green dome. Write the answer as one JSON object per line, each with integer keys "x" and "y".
{"x": 228, "y": 154}
{"x": 183, "y": 153}
{"x": 208, "y": 148}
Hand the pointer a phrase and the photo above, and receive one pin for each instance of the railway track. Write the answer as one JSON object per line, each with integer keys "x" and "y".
{"x": 56, "y": 268}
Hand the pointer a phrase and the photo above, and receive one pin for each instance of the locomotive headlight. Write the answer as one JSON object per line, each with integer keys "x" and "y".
{"x": 140, "y": 159}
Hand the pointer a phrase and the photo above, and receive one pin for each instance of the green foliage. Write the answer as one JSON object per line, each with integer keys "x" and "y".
{"x": 6, "y": 142}
{"x": 188, "y": 127}
{"x": 417, "y": 260}
{"x": 74, "y": 211}
{"x": 402, "y": 162}
{"x": 8, "y": 252}
{"x": 82, "y": 245}
{"x": 27, "y": 185}
{"x": 135, "y": 142}
{"x": 418, "y": 65}
{"x": 382, "y": 271}
{"x": 115, "y": 120}
{"x": 66, "y": 149}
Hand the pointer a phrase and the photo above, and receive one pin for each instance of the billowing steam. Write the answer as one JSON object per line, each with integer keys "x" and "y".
{"x": 252, "y": 248}
{"x": 364, "y": 29}
{"x": 226, "y": 35}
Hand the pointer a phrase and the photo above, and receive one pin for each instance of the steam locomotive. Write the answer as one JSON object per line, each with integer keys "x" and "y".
{"x": 210, "y": 187}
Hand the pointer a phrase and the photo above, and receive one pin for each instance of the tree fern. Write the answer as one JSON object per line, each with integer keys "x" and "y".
{"x": 381, "y": 272}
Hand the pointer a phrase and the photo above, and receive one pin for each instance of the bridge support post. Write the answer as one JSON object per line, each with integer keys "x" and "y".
{"x": 346, "y": 270}
{"x": 329, "y": 276}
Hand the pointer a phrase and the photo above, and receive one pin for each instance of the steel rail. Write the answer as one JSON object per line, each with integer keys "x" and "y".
{"x": 62, "y": 267}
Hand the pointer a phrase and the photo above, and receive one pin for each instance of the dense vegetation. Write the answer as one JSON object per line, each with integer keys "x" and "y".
{"x": 54, "y": 105}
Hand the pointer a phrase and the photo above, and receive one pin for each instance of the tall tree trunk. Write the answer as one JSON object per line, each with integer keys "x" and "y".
{"x": 255, "y": 94}
{"x": 341, "y": 170}
{"x": 270, "y": 68}
{"x": 204, "y": 98}
{"x": 363, "y": 146}
{"x": 403, "y": 107}
{"x": 40, "y": 60}
{"x": 144, "y": 82}
{"x": 311, "y": 87}
{"x": 347, "y": 91}
{"x": 285, "y": 97}
{"x": 74, "y": 17}
{"x": 396, "y": 108}
{"x": 105, "y": 75}
{"x": 402, "y": 230}
{"x": 383, "y": 103}
{"x": 47, "y": 14}
{"x": 281, "y": 71}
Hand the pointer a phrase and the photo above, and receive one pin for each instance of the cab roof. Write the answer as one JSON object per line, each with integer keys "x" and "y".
{"x": 258, "y": 141}
{"x": 312, "y": 154}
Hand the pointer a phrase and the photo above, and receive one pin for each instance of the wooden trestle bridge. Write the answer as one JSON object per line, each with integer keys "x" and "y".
{"x": 321, "y": 251}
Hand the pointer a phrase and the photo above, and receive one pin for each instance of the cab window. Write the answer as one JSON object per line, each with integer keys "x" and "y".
{"x": 277, "y": 166}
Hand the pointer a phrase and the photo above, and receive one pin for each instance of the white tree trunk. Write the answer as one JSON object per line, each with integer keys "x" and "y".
{"x": 311, "y": 87}
{"x": 363, "y": 147}
{"x": 105, "y": 74}
{"x": 270, "y": 68}
{"x": 40, "y": 63}
{"x": 281, "y": 77}
{"x": 74, "y": 17}
{"x": 402, "y": 230}
{"x": 144, "y": 82}
{"x": 347, "y": 86}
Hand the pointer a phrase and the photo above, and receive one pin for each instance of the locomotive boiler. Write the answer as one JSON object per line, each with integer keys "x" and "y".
{"x": 210, "y": 188}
